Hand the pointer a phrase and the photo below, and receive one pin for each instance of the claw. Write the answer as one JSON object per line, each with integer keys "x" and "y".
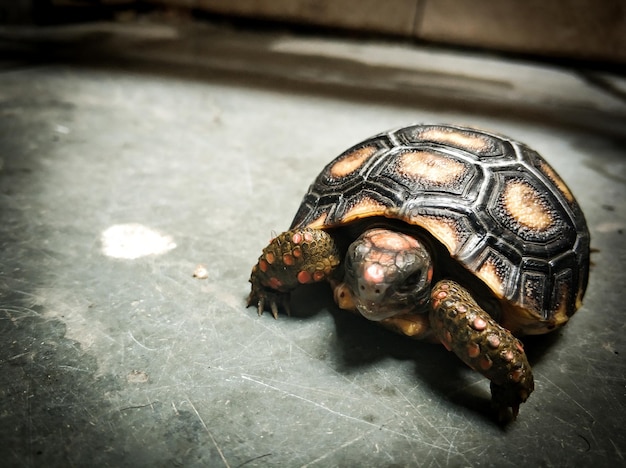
{"x": 515, "y": 410}
{"x": 506, "y": 400}
{"x": 274, "y": 308}
{"x": 264, "y": 298}
{"x": 506, "y": 415}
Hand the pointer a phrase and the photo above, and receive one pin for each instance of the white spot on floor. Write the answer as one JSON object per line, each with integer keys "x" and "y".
{"x": 134, "y": 240}
{"x": 201, "y": 272}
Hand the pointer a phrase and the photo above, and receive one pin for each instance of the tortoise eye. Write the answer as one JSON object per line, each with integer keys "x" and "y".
{"x": 408, "y": 285}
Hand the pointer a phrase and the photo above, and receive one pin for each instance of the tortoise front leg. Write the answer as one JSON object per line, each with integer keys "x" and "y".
{"x": 295, "y": 257}
{"x": 465, "y": 328}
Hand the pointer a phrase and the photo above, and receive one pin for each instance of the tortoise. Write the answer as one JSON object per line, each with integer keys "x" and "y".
{"x": 443, "y": 233}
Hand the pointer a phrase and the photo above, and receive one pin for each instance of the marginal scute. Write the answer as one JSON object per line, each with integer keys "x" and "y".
{"x": 470, "y": 141}
{"x": 364, "y": 207}
{"x": 564, "y": 297}
{"x": 557, "y": 181}
{"x": 493, "y": 272}
{"x": 319, "y": 222}
{"x": 533, "y": 286}
{"x": 445, "y": 230}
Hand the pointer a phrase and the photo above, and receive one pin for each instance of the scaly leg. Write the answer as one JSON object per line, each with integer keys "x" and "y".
{"x": 295, "y": 257}
{"x": 475, "y": 337}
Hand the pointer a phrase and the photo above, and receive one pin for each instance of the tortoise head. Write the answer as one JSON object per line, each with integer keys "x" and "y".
{"x": 388, "y": 273}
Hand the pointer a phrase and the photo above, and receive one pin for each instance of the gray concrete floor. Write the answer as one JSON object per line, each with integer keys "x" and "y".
{"x": 131, "y": 155}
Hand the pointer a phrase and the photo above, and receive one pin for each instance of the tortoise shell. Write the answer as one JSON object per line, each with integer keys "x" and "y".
{"x": 494, "y": 204}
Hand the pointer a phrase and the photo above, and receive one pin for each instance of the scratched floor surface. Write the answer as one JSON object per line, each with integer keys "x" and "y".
{"x": 124, "y": 167}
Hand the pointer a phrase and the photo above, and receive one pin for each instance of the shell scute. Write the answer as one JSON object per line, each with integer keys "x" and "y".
{"x": 526, "y": 209}
{"x": 431, "y": 172}
{"x": 469, "y": 140}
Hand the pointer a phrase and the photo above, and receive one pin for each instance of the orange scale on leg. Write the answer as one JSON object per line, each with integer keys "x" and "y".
{"x": 473, "y": 350}
{"x": 304, "y": 277}
{"x": 494, "y": 341}
{"x": 479, "y": 324}
{"x": 486, "y": 363}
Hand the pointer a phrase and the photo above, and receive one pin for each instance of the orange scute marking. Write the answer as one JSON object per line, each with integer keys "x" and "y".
{"x": 318, "y": 275}
{"x": 351, "y": 162}
{"x": 288, "y": 259}
{"x": 527, "y": 206}
{"x": 274, "y": 283}
{"x": 263, "y": 265}
{"x": 269, "y": 256}
{"x": 434, "y": 168}
{"x": 471, "y": 142}
{"x": 296, "y": 238}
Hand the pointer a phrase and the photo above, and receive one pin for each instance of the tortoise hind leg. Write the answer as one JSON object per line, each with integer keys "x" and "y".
{"x": 463, "y": 327}
{"x": 295, "y": 257}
